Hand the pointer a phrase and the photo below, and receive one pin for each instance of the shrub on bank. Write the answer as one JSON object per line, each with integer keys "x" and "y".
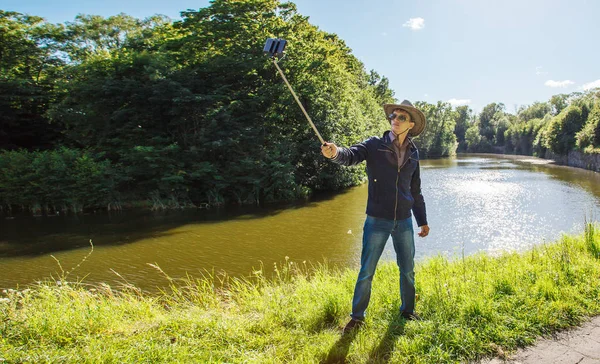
{"x": 588, "y": 138}
{"x": 58, "y": 180}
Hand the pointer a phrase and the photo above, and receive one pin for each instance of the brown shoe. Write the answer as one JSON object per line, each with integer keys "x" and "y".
{"x": 353, "y": 324}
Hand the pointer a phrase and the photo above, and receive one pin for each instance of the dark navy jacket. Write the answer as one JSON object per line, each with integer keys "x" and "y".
{"x": 393, "y": 190}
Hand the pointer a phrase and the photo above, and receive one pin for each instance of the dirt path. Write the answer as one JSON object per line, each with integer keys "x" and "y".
{"x": 580, "y": 345}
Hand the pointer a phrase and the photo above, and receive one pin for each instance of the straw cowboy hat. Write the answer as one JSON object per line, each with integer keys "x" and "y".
{"x": 416, "y": 116}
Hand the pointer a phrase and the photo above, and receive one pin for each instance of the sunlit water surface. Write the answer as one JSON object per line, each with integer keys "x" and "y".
{"x": 474, "y": 203}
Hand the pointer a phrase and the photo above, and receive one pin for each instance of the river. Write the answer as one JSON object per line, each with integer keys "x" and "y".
{"x": 474, "y": 202}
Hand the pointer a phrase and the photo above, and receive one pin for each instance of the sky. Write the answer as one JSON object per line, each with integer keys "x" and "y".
{"x": 469, "y": 52}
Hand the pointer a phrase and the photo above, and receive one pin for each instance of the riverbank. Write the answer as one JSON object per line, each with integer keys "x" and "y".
{"x": 84, "y": 206}
{"x": 472, "y": 307}
{"x": 575, "y": 159}
{"x": 578, "y": 159}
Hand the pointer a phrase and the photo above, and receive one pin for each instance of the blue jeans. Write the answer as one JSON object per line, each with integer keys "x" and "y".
{"x": 375, "y": 235}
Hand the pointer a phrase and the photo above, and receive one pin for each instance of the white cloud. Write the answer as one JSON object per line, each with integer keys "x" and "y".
{"x": 459, "y": 102}
{"x": 426, "y": 95}
{"x": 562, "y": 84}
{"x": 591, "y": 85}
{"x": 415, "y": 23}
{"x": 539, "y": 72}
{"x": 384, "y": 34}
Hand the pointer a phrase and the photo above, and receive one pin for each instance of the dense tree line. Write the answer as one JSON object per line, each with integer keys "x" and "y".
{"x": 110, "y": 112}
{"x": 176, "y": 113}
{"x": 565, "y": 123}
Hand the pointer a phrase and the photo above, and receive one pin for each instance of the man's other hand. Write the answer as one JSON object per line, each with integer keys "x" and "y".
{"x": 329, "y": 150}
{"x": 424, "y": 231}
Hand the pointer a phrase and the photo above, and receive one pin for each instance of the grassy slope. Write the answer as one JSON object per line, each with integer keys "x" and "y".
{"x": 472, "y": 307}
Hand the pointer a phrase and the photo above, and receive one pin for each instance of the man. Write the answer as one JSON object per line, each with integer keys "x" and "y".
{"x": 394, "y": 190}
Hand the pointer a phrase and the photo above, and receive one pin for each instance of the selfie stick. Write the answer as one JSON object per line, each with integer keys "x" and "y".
{"x": 275, "y": 47}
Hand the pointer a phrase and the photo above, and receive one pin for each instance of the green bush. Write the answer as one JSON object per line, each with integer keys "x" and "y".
{"x": 520, "y": 137}
{"x": 559, "y": 135}
{"x": 589, "y": 136}
{"x": 438, "y": 138}
{"x": 58, "y": 180}
{"x": 477, "y": 143}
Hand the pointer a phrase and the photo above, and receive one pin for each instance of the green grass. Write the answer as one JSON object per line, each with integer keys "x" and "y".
{"x": 473, "y": 307}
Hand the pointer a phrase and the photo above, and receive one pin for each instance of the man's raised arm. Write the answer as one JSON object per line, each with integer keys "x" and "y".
{"x": 346, "y": 156}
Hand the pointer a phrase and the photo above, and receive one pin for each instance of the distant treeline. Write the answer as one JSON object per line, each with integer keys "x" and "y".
{"x": 565, "y": 123}
{"x": 114, "y": 112}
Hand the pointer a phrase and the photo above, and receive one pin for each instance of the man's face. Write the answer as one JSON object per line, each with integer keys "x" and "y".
{"x": 401, "y": 122}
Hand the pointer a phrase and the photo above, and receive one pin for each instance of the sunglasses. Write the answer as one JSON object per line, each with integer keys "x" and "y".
{"x": 399, "y": 117}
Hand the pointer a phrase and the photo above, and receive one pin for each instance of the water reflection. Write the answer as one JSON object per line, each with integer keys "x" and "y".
{"x": 475, "y": 202}
{"x": 494, "y": 203}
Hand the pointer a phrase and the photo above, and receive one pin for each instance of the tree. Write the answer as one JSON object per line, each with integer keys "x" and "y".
{"x": 503, "y": 123}
{"x": 463, "y": 122}
{"x": 559, "y": 135}
{"x": 381, "y": 87}
{"x": 29, "y": 67}
{"x": 520, "y": 136}
{"x": 535, "y": 111}
{"x": 201, "y": 93}
{"x": 438, "y": 138}
{"x": 474, "y": 140}
{"x": 488, "y": 120}
{"x": 589, "y": 137}
{"x": 559, "y": 103}
{"x": 93, "y": 36}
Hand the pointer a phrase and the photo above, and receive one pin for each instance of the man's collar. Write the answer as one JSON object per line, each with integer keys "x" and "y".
{"x": 389, "y": 137}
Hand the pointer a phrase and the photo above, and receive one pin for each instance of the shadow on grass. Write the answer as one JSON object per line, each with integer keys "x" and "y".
{"x": 382, "y": 352}
{"x": 339, "y": 350}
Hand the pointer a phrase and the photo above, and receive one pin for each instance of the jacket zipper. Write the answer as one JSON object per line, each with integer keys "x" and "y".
{"x": 396, "y": 202}
{"x": 397, "y": 177}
